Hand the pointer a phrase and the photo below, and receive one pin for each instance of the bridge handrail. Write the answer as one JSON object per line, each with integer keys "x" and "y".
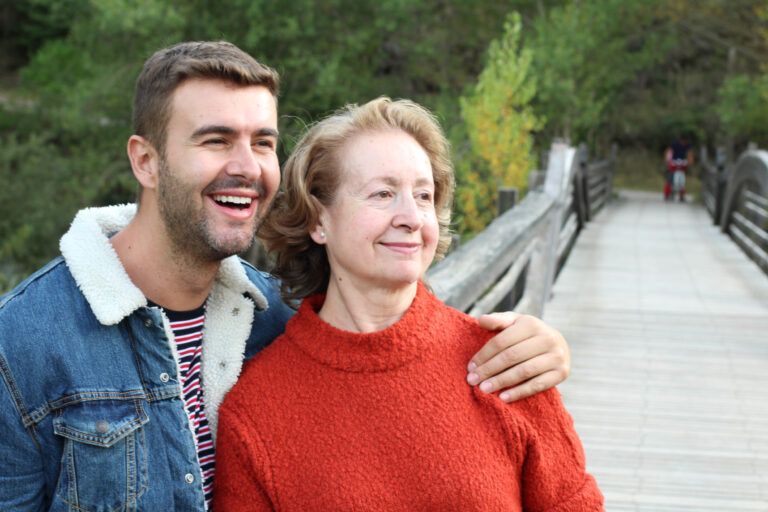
{"x": 519, "y": 254}
{"x": 744, "y": 213}
{"x": 714, "y": 181}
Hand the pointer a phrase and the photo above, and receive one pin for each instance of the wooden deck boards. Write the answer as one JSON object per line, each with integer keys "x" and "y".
{"x": 667, "y": 321}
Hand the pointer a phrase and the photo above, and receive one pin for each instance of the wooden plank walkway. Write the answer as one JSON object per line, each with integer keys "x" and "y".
{"x": 667, "y": 322}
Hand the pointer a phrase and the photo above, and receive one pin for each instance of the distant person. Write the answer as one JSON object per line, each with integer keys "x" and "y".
{"x": 677, "y": 157}
{"x": 360, "y": 405}
{"x": 115, "y": 357}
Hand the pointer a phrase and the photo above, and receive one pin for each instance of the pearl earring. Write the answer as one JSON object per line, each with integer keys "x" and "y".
{"x": 322, "y": 234}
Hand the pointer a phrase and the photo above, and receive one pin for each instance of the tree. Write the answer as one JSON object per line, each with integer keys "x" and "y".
{"x": 500, "y": 123}
{"x": 586, "y": 54}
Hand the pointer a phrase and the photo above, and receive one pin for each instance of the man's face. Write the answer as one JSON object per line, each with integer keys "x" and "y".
{"x": 220, "y": 173}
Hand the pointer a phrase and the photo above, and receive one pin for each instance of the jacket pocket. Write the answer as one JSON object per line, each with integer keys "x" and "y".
{"x": 104, "y": 457}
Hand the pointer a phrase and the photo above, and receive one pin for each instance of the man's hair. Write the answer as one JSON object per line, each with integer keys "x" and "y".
{"x": 314, "y": 170}
{"x": 169, "y": 67}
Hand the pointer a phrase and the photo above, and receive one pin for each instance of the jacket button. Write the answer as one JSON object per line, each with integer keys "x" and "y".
{"x": 102, "y": 426}
{"x": 148, "y": 322}
{"x": 165, "y": 377}
{"x": 189, "y": 478}
{"x": 222, "y": 364}
{"x": 235, "y": 311}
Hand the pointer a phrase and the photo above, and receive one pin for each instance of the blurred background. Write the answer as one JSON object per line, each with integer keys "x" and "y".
{"x": 505, "y": 78}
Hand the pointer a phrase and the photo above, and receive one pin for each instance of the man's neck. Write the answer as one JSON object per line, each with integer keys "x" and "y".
{"x": 172, "y": 281}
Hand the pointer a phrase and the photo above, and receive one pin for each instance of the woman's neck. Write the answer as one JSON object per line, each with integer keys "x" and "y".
{"x": 350, "y": 308}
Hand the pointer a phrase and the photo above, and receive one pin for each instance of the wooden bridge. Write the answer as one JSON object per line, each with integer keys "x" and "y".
{"x": 666, "y": 314}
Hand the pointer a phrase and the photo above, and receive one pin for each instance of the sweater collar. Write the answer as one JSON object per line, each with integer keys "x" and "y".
{"x": 100, "y": 275}
{"x": 377, "y": 351}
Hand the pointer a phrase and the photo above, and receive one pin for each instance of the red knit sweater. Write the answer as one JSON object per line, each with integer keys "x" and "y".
{"x": 329, "y": 420}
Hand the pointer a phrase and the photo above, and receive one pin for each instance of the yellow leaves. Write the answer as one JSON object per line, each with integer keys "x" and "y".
{"x": 499, "y": 122}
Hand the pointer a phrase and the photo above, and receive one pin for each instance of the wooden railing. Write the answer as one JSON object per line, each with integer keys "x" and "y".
{"x": 514, "y": 261}
{"x": 737, "y": 199}
{"x": 713, "y": 183}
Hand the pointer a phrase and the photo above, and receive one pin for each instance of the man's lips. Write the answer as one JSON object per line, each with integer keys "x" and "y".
{"x": 237, "y": 205}
{"x": 236, "y": 200}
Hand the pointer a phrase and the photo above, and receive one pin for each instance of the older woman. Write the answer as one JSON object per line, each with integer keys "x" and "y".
{"x": 373, "y": 364}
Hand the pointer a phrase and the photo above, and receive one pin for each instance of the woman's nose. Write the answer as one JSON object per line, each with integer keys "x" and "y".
{"x": 408, "y": 214}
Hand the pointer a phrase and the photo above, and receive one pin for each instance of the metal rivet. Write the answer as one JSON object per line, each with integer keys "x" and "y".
{"x": 148, "y": 322}
{"x": 102, "y": 426}
{"x": 165, "y": 377}
{"x": 189, "y": 478}
{"x": 235, "y": 311}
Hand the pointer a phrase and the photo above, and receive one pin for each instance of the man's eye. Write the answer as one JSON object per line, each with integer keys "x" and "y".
{"x": 215, "y": 142}
{"x": 265, "y": 143}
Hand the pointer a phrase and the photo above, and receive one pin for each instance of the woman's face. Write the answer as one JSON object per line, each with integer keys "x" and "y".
{"x": 381, "y": 230}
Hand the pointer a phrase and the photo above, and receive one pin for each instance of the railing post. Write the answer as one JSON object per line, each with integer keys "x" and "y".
{"x": 611, "y": 172}
{"x": 721, "y": 181}
{"x": 583, "y": 178}
{"x": 561, "y": 165}
{"x": 506, "y": 199}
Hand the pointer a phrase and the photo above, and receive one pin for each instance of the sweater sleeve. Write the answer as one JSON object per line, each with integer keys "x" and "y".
{"x": 243, "y": 477}
{"x": 554, "y": 477}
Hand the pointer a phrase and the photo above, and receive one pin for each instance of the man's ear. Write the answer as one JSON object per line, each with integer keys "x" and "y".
{"x": 145, "y": 161}
{"x": 317, "y": 233}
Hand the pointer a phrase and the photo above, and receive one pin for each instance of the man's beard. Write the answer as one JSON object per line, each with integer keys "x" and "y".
{"x": 190, "y": 232}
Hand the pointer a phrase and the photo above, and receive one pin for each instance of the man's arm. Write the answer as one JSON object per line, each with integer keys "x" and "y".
{"x": 21, "y": 472}
{"x": 527, "y": 357}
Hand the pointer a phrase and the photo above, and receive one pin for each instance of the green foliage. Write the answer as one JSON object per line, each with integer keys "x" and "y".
{"x": 33, "y": 172}
{"x": 636, "y": 71}
{"x": 743, "y": 106}
{"x": 499, "y": 122}
{"x": 585, "y": 55}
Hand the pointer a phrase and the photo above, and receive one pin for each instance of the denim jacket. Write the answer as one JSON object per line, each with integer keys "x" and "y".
{"x": 91, "y": 411}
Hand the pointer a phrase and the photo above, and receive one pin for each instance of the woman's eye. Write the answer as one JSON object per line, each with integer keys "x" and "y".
{"x": 382, "y": 194}
{"x": 424, "y": 196}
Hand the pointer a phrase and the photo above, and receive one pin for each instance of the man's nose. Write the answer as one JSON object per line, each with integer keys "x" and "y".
{"x": 244, "y": 162}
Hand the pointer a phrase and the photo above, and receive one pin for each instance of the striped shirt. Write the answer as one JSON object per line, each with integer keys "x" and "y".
{"x": 187, "y": 327}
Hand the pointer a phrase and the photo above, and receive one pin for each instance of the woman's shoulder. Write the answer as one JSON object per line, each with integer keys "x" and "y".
{"x": 260, "y": 372}
{"x": 537, "y": 416}
{"x": 458, "y": 322}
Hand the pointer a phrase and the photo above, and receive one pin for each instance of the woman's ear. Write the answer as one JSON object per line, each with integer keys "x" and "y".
{"x": 317, "y": 233}
{"x": 145, "y": 161}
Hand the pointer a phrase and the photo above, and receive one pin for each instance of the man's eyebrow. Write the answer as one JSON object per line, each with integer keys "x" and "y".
{"x": 267, "y": 132}
{"x": 213, "y": 128}
{"x": 228, "y": 130}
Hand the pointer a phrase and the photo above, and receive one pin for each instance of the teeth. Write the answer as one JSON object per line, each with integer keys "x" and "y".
{"x": 219, "y": 198}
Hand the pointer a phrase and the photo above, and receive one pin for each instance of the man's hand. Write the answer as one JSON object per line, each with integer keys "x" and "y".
{"x": 527, "y": 357}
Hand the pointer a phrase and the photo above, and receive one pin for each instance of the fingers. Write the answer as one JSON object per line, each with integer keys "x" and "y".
{"x": 531, "y": 387}
{"x": 516, "y": 329}
{"x": 526, "y": 358}
{"x": 527, "y": 378}
{"x": 507, "y": 358}
{"x": 497, "y": 321}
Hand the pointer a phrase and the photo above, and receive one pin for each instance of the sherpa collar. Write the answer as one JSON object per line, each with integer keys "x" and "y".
{"x": 101, "y": 277}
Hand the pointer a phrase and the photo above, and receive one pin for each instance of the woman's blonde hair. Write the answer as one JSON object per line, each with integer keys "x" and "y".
{"x": 314, "y": 170}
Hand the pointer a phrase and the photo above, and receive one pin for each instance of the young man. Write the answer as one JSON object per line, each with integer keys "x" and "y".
{"x": 678, "y": 156}
{"x": 115, "y": 357}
